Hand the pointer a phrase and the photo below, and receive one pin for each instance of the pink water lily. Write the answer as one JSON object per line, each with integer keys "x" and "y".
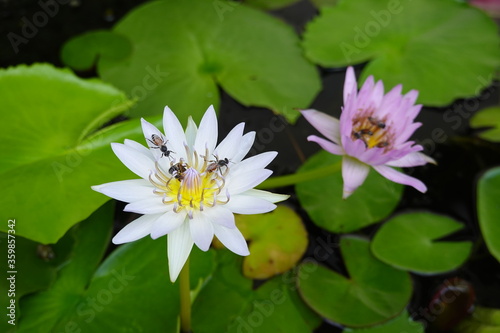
{"x": 372, "y": 132}
{"x": 190, "y": 187}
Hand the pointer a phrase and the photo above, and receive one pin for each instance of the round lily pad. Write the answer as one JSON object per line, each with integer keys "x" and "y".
{"x": 52, "y": 150}
{"x": 322, "y": 197}
{"x": 370, "y": 294}
{"x": 184, "y": 50}
{"x": 444, "y": 49}
{"x": 411, "y": 241}
{"x": 488, "y": 209}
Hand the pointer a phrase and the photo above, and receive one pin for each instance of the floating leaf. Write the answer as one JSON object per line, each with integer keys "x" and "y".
{"x": 50, "y": 151}
{"x": 251, "y": 55}
{"x": 277, "y": 242}
{"x": 490, "y": 118}
{"x": 410, "y": 242}
{"x": 322, "y": 197}
{"x": 82, "y": 52}
{"x": 401, "y": 324}
{"x": 228, "y": 304}
{"x": 488, "y": 210}
{"x": 395, "y": 38}
{"x": 372, "y": 292}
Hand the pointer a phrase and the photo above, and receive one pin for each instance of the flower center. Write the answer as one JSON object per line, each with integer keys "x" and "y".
{"x": 189, "y": 187}
{"x": 372, "y": 131}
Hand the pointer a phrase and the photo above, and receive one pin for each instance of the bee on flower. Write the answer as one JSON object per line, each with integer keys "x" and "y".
{"x": 188, "y": 198}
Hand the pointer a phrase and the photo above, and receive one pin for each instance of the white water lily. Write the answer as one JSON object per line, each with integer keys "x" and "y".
{"x": 190, "y": 187}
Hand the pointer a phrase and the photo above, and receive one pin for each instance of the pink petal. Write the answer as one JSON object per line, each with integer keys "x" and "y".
{"x": 350, "y": 84}
{"x": 400, "y": 178}
{"x": 411, "y": 160}
{"x": 325, "y": 124}
{"x": 354, "y": 174}
{"x": 327, "y": 145}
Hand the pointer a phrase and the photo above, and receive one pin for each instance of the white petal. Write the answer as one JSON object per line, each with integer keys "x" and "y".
{"x": 207, "y": 132}
{"x": 354, "y": 174}
{"x": 253, "y": 163}
{"x": 202, "y": 230}
{"x": 152, "y": 205}
{"x": 149, "y": 129}
{"x": 127, "y": 190}
{"x": 247, "y": 181}
{"x": 232, "y": 239}
{"x": 246, "y": 204}
{"x": 324, "y": 123}
{"x": 174, "y": 133}
{"x": 166, "y": 223}
{"x": 269, "y": 196}
{"x": 400, "y": 178}
{"x": 135, "y": 230}
{"x": 137, "y": 146}
{"x": 136, "y": 161}
{"x": 220, "y": 215}
{"x": 179, "y": 246}
{"x": 191, "y": 131}
{"x": 245, "y": 145}
{"x": 411, "y": 160}
{"x": 231, "y": 143}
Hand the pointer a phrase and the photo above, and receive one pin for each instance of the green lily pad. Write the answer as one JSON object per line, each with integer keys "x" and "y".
{"x": 227, "y": 303}
{"x": 401, "y": 324}
{"x": 488, "y": 210}
{"x": 251, "y": 55}
{"x": 370, "y": 294}
{"x": 395, "y": 38}
{"x": 82, "y": 52}
{"x": 52, "y": 150}
{"x": 410, "y": 242}
{"x": 490, "y": 118}
{"x": 322, "y": 197}
{"x": 277, "y": 242}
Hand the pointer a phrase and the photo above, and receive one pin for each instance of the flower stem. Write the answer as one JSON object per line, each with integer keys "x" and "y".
{"x": 185, "y": 296}
{"x": 296, "y": 178}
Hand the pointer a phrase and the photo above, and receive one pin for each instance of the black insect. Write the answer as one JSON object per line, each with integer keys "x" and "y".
{"x": 160, "y": 143}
